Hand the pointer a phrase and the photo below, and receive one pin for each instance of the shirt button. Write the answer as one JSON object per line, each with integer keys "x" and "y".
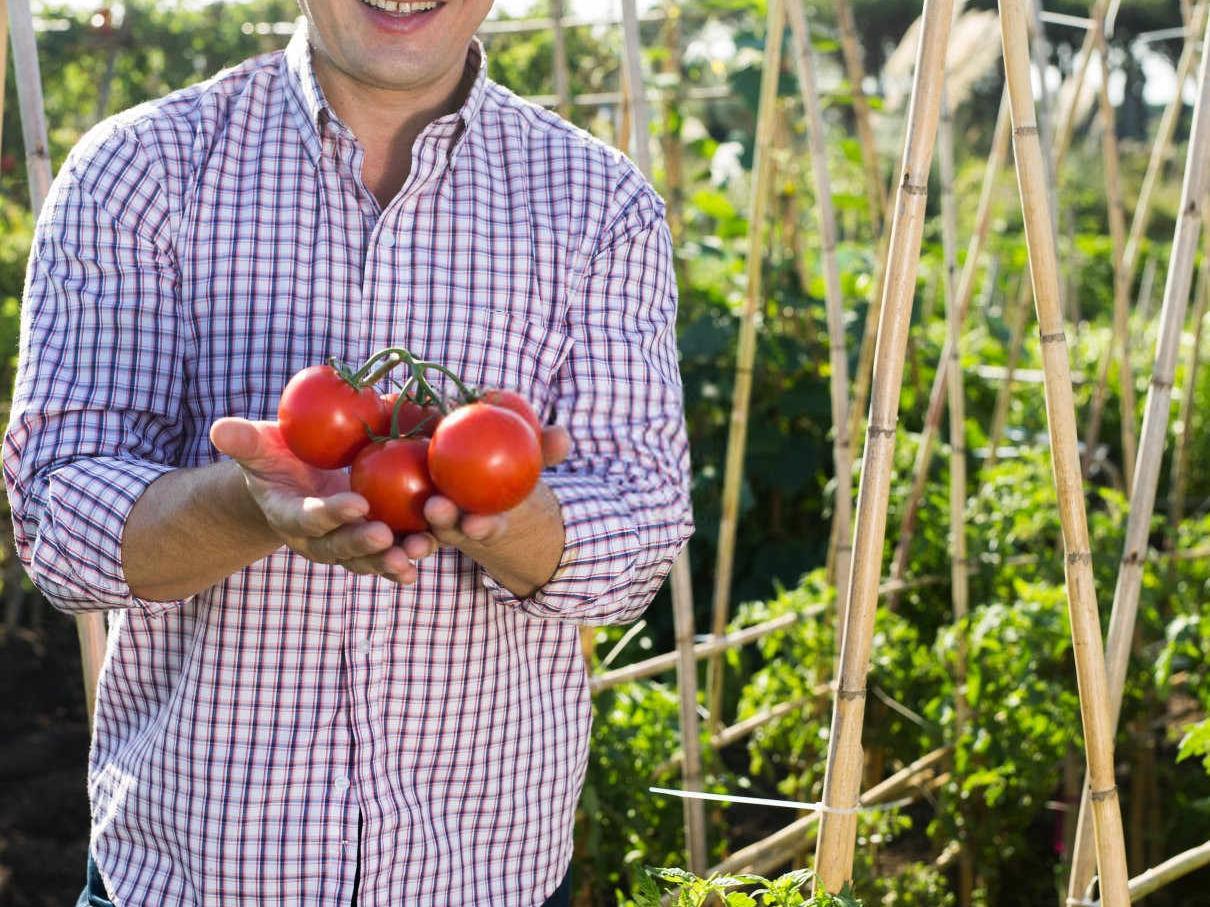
{"x": 388, "y": 240}
{"x": 342, "y": 783}
{"x": 363, "y": 647}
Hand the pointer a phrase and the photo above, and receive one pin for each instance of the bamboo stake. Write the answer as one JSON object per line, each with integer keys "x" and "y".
{"x": 1180, "y": 465}
{"x": 761, "y": 169}
{"x": 1169, "y": 871}
{"x": 90, "y": 627}
{"x": 673, "y": 148}
{"x": 632, "y": 50}
{"x": 842, "y": 452}
{"x": 842, "y": 780}
{"x": 1155, "y": 429}
{"x": 1121, "y": 285}
{"x": 686, "y": 680}
{"x": 1016, "y": 319}
{"x": 855, "y": 71}
{"x": 1163, "y": 141}
{"x": 562, "y": 76}
{"x": 1082, "y": 605}
{"x": 715, "y": 645}
{"x": 959, "y": 585}
{"x": 682, "y": 578}
{"x": 1146, "y": 288}
{"x": 1068, "y": 124}
{"x": 961, "y": 303}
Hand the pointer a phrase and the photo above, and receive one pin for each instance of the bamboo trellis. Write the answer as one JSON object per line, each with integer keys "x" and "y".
{"x": 842, "y": 779}
{"x": 1155, "y": 429}
{"x": 746, "y": 355}
{"x": 959, "y": 588}
{"x": 838, "y": 379}
{"x": 1121, "y": 282}
{"x": 1060, "y": 407}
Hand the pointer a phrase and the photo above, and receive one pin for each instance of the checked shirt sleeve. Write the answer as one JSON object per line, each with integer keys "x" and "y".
{"x": 624, "y": 491}
{"x": 96, "y": 410}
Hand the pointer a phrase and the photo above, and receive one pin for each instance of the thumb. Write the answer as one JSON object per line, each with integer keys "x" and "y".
{"x": 556, "y": 445}
{"x": 240, "y": 439}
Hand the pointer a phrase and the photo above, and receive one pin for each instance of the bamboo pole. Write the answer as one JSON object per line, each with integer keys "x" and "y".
{"x": 842, "y": 779}
{"x": 673, "y": 148}
{"x": 1155, "y": 429}
{"x": 90, "y": 627}
{"x": 1082, "y": 605}
{"x": 842, "y": 451}
{"x": 746, "y": 355}
{"x": 1169, "y": 871}
{"x": 1180, "y": 465}
{"x": 1068, "y": 123}
{"x": 562, "y": 76}
{"x": 1016, "y": 318}
{"x": 715, "y": 645}
{"x": 1121, "y": 285}
{"x": 959, "y": 588}
{"x": 682, "y": 578}
{"x": 686, "y": 681}
{"x": 855, "y": 71}
{"x": 1146, "y": 290}
{"x": 1163, "y": 141}
{"x": 961, "y": 303}
{"x": 633, "y": 56}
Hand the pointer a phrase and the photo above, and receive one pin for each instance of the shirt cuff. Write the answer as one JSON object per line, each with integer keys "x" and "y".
{"x": 600, "y": 549}
{"x": 77, "y": 557}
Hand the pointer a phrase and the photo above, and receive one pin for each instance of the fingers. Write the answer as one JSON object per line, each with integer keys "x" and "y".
{"x": 239, "y": 439}
{"x": 556, "y": 445}
{"x": 317, "y": 517}
{"x": 420, "y": 545}
{"x": 350, "y": 543}
{"x": 453, "y": 527}
{"x": 393, "y": 564}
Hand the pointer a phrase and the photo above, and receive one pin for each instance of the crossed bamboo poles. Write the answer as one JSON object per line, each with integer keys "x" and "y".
{"x": 843, "y": 777}
{"x": 1151, "y": 448}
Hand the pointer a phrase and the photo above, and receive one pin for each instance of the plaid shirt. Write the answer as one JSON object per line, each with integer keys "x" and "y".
{"x": 197, "y": 251}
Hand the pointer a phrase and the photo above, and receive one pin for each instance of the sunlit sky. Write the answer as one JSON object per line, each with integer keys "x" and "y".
{"x": 1158, "y": 71}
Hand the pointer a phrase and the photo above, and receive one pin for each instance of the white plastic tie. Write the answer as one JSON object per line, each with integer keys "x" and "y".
{"x": 784, "y": 804}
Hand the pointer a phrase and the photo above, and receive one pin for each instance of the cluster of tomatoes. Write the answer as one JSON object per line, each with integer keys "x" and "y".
{"x": 483, "y": 451}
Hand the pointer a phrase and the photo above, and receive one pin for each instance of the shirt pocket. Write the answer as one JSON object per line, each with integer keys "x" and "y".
{"x": 489, "y": 347}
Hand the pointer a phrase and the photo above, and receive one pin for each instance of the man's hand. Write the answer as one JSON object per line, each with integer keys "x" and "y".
{"x": 312, "y": 509}
{"x": 521, "y": 548}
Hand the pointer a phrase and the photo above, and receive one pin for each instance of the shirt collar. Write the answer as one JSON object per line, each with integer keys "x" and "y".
{"x": 303, "y": 87}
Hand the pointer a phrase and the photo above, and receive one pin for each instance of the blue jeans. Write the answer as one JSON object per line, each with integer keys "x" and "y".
{"x": 94, "y": 894}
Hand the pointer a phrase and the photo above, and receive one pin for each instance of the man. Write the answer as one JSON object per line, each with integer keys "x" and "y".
{"x": 296, "y": 707}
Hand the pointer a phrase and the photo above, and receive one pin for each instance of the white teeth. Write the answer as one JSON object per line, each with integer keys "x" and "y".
{"x": 402, "y": 9}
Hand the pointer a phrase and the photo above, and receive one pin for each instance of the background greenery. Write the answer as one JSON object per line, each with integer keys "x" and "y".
{"x": 1009, "y": 760}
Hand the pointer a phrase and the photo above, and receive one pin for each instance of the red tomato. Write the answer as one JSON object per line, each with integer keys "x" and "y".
{"x": 485, "y": 458}
{"x": 324, "y": 419}
{"x": 513, "y": 401}
{"x": 412, "y": 414}
{"x": 394, "y": 477}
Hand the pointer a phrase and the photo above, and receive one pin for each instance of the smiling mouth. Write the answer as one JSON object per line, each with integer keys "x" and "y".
{"x": 402, "y": 9}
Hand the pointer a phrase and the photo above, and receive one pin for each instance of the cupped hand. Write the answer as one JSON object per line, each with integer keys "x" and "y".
{"x": 451, "y": 527}
{"x": 312, "y": 509}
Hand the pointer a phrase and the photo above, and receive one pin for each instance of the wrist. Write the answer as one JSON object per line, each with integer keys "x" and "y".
{"x": 236, "y": 499}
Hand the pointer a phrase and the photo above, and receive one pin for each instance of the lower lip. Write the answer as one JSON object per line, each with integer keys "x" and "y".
{"x": 399, "y": 25}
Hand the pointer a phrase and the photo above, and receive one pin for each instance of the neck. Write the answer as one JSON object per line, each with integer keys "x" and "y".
{"x": 386, "y": 122}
